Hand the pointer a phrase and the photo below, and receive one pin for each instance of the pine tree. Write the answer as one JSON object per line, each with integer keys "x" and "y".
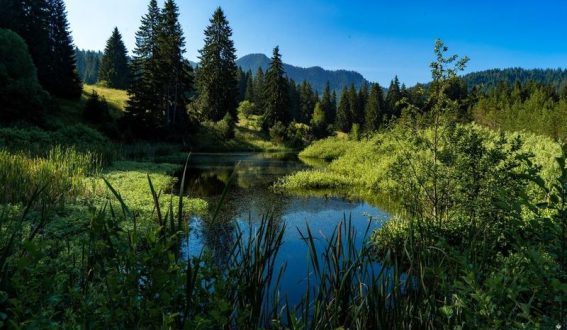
{"x": 327, "y": 104}
{"x": 62, "y": 79}
{"x": 114, "y": 70}
{"x": 259, "y": 87}
{"x": 143, "y": 104}
{"x": 250, "y": 92}
{"x": 294, "y": 100}
{"x": 242, "y": 82}
{"x": 175, "y": 74}
{"x": 374, "y": 109}
{"x": 361, "y": 100}
{"x": 307, "y": 102}
{"x": 356, "y": 112}
{"x": 343, "y": 121}
{"x": 276, "y": 93}
{"x": 392, "y": 98}
{"x": 217, "y": 84}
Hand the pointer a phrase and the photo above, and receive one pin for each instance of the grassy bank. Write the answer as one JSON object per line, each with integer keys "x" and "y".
{"x": 478, "y": 223}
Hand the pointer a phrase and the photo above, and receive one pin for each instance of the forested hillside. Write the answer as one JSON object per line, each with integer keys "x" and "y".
{"x": 490, "y": 79}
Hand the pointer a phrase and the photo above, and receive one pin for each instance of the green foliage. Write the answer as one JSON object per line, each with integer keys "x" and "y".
{"x": 114, "y": 70}
{"x": 355, "y": 133}
{"x": 278, "y": 132}
{"x": 227, "y": 126}
{"x": 246, "y": 108}
{"x": 21, "y": 95}
{"x": 319, "y": 121}
{"x": 276, "y": 94}
{"x": 60, "y": 175}
{"x": 88, "y": 65}
{"x": 217, "y": 80}
{"x": 328, "y": 149}
{"x": 159, "y": 65}
{"x": 96, "y": 109}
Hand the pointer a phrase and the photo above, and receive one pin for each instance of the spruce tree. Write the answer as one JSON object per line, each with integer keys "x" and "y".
{"x": 392, "y": 98}
{"x": 142, "y": 111}
{"x": 175, "y": 77}
{"x": 307, "y": 102}
{"x": 361, "y": 104}
{"x": 242, "y": 82}
{"x": 294, "y": 101}
{"x": 327, "y": 104}
{"x": 250, "y": 92}
{"x": 62, "y": 79}
{"x": 276, "y": 93}
{"x": 217, "y": 84}
{"x": 356, "y": 112}
{"x": 114, "y": 70}
{"x": 374, "y": 109}
{"x": 259, "y": 87}
{"x": 343, "y": 121}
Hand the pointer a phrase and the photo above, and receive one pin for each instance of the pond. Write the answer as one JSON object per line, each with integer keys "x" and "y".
{"x": 249, "y": 197}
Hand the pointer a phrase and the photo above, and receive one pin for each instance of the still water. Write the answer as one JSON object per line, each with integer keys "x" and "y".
{"x": 249, "y": 197}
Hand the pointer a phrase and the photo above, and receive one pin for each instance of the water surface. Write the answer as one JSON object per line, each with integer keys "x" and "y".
{"x": 250, "y": 196}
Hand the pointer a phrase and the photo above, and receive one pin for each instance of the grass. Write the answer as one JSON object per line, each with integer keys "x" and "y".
{"x": 363, "y": 168}
{"x": 116, "y": 98}
{"x": 248, "y": 137}
{"x": 130, "y": 179}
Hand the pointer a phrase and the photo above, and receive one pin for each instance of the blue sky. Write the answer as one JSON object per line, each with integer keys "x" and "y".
{"x": 379, "y": 39}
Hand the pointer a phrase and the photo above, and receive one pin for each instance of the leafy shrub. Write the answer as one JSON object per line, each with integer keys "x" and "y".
{"x": 278, "y": 132}
{"x": 96, "y": 109}
{"x": 247, "y": 108}
{"x": 21, "y": 95}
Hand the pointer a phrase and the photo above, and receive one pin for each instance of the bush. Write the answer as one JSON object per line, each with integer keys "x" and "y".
{"x": 226, "y": 126}
{"x": 21, "y": 95}
{"x": 96, "y": 109}
{"x": 247, "y": 108}
{"x": 278, "y": 132}
{"x": 354, "y": 133}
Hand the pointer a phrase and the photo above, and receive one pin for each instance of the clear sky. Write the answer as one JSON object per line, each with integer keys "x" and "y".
{"x": 377, "y": 38}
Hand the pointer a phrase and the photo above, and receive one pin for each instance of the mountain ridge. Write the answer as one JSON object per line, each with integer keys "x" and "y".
{"x": 316, "y": 75}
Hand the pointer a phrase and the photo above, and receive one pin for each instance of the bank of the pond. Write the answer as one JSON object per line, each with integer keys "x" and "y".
{"x": 365, "y": 168}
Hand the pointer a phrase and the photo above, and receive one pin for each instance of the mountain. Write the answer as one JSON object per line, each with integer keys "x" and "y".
{"x": 491, "y": 78}
{"x": 316, "y": 76}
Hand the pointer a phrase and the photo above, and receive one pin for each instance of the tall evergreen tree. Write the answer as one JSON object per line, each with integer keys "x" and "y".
{"x": 242, "y": 82}
{"x": 63, "y": 79}
{"x": 343, "y": 121}
{"x": 114, "y": 70}
{"x": 217, "y": 84}
{"x": 327, "y": 104}
{"x": 142, "y": 111}
{"x": 393, "y": 97}
{"x": 294, "y": 100}
{"x": 250, "y": 92}
{"x": 356, "y": 111}
{"x": 259, "y": 87}
{"x": 374, "y": 109}
{"x": 307, "y": 101}
{"x": 175, "y": 78}
{"x": 319, "y": 121}
{"x": 361, "y": 104}
{"x": 276, "y": 93}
